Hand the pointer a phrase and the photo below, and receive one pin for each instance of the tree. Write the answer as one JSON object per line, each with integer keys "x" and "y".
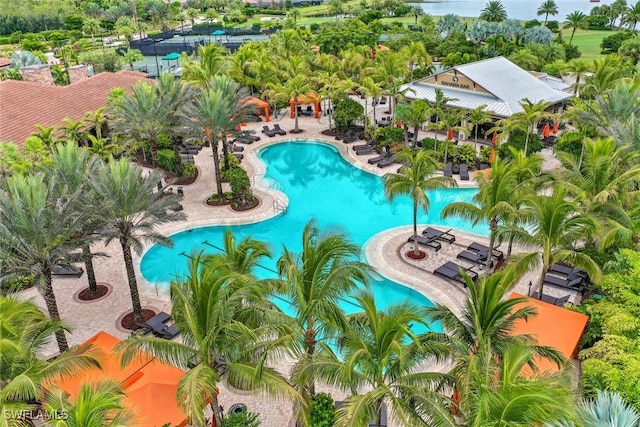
{"x": 417, "y": 55}
{"x": 552, "y": 225}
{"x": 493, "y": 11}
{"x": 415, "y": 178}
{"x": 37, "y": 230}
{"x": 74, "y": 131}
{"x": 212, "y": 62}
{"x": 135, "y": 209}
{"x": 438, "y": 110}
{"x": 476, "y": 117}
{"x": 524, "y": 120}
{"x": 216, "y": 112}
{"x": 577, "y": 68}
{"x": 131, "y": 56}
{"x": 416, "y": 114}
{"x": 548, "y": 7}
{"x": 336, "y": 8}
{"x": 294, "y": 88}
{"x": 630, "y": 49}
{"x": 228, "y": 325}
{"x": 382, "y": 354}
{"x": 575, "y": 20}
{"x": 632, "y": 15}
{"x": 24, "y": 375}
{"x": 325, "y": 271}
{"x": 244, "y": 256}
{"x": 92, "y": 26}
{"x": 492, "y": 203}
{"x": 95, "y": 120}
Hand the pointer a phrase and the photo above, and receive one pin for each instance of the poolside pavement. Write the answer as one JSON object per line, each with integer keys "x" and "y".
{"x": 384, "y": 251}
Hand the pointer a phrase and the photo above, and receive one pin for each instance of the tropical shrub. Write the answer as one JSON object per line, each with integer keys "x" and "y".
{"x": 323, "y": 410}
{"x": 240, "y": 186}
{"x": 517, "y": 139}
{"x": 569, "y": 142}
{"x": 346, "y": 112}
{"x": 167, "y": 160}
{"x": 612, "y": 43}
{"x": 485, "y": 154}
{"x": 188, "y": 169}
{"x": 388, "y": 135}
{"x": 244, "y": 419}
{"x": 465, "y": 153}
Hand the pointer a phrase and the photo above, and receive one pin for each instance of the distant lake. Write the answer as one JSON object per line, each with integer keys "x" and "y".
{"x": 516, "y": 9}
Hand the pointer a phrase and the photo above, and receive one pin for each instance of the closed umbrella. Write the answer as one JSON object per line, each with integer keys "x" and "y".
{"x": 450, "y": 134}
{"x": 555, "y": 127}
{"x": 546, "y": 131}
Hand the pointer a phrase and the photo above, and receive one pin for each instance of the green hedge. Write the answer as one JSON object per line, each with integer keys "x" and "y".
{"x": 167, "y": 160}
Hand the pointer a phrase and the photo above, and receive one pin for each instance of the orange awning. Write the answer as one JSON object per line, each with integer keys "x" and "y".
{"x": 149, "y": 385}
{"x": 553, "y": 326}
{"x": 263, "y": 105}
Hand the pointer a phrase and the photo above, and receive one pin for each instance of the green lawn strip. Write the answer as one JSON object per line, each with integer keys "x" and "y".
{"x": 588, "y": 41}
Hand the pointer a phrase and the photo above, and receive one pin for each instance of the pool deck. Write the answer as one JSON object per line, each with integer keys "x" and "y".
{"x": 384, "y": 251}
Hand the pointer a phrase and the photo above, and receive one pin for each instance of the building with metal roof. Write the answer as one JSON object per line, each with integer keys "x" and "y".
{"x": 496, "y": 82}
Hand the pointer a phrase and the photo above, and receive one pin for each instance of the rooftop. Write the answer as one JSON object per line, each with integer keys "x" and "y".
{"x": 27, "y": 104}
{"x": 496, "y": 82}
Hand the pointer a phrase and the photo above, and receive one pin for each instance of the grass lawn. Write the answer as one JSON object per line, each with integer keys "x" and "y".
{"x": 587, "y": 41}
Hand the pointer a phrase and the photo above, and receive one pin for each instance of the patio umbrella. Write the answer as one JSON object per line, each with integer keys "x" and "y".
{"x": 450, "y": 134}
{"x": 173, "y": 56}
{"x": 218, "y": 33}
{"x": 494, "y": 138}
{"x": 555, "y": 127}
{"x": 546, "y": 131}
{"x": 492, "y": 155}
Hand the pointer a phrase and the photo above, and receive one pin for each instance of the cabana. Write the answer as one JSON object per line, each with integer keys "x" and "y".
{"x": 306, "y": 99}
{"x": 262, "y": 105}
{"x": 173, "y": 56}
{"x": 150, "y": 386}
{"x": 553, "y": 326}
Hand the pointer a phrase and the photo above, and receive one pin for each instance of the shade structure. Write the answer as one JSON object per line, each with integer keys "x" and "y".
{"x": 450, "y": 134}
{"x": 553, "y": 326}
{"x": 260, "y": 104}
{"x": 555, "y": 127}
{"x": 494, "y": 138}
{"x": 171, "y": 56}
{"x": 546, "y": 131}
{"x": 306, "y": 99}
{"x": 218, "y": 33}
{"x": 150, "y": 386}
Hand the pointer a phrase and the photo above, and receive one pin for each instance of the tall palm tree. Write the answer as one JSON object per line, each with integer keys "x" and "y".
{"x": 382, "y": 353}
{"x": 476, "y": 117}
{"x": 326, "y": 270}
{"x": 98, "y": 404}
{"x": 37, "y": 231}
{"x": 228, "y": 326}
{"x": 136, "y": 208}
{"x": 632, "y": 16}
{"x": 216, "y": 112}
{"x": 132, "y": 56}
{"x": 577, "y": 67}
{"x": 415, "y": 178}
{"x": 524, "y": 120}
{"x": 493, "y": 11}
{"x": 439, "y": 110}
{"x": 244, "y": 256}
{"x": 91, "y": 26}
{"x": 575, "y": 20}
{"x": 548, "y": 7}
{"x": 417, "y": 55}
{"x": 24, "y": 375}
{"x": 293, "y": 88}
{"x": 552, "y": 225}
{"x": 212, "y": 62}
{"x": 492, "y": 203}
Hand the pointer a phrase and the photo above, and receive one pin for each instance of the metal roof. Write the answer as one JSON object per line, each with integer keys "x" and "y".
{"x": 507, "y": 83}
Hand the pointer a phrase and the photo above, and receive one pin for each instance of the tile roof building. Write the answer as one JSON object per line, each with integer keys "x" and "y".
{"x": 23, "y": 105}
{"x": 497, "y": 83}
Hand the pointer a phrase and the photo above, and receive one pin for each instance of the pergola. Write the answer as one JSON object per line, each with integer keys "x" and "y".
{"x": 263, "y": 105}
{"x": 305, "y": 99}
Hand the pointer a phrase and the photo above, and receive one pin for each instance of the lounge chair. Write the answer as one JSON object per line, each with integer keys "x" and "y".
{"x": 367, "y": 150}
{"x": 443, "y": 236}
{"x": 186, "y": 158}
{"x": 277, "y": 129}
{"x": 383, "y": 100}
{"x": 474, "y": 257}
{"x": 67, "y": 270}
{"x": 352, "y": 138}
{"x": 347, "y": 134}
{"x": 237, "y": 149}
{"x": 388, "y": 161}
{"x": 560, "y": 302}
{"x": 362, "y": 146}
{"x": 567, "y": 271}
{"x": 167, "y": 332}
{"x": 426, "y": 242}
{"x": 238, "y": 156}
{"x": 453, "y": 271}
{"x": 270, "y": 133}
{"x": 457, "y": 267}
{"x": 376, "y": 159}
{"x": 464, "y": 172}
{"x": 183, "y": 149}
{"x": 576, "y": 283}
{"x": 479, "y": 247}
{"x": 242, "y": 140}
{"x": 448, "y": 170}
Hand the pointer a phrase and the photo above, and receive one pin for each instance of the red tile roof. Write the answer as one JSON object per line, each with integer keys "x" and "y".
{"x": 23, "y": 105}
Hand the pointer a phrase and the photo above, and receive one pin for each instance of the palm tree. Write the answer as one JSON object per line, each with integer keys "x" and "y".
{"x": 578, "y": 68}
{"x": 382, "y": 353}
{"x": 135, "y": 209}
{"x": 47, "y": 135}
{"x": 492, "y": 203}
{"x": 548, "y": 7}
{"x": 131, "y": 56}
{"x": 632, "y": 16}
{"x": 244, "y": 256}
{"x": 415, "y": 178}
{"x": 24, "y": 375}
{"x": 98, "y": 404}
{"x": 524, "y": 120}
{"x": 576, "y": 20}
{"x": 74, "y": 131}
{"x": 95, "y": 120}
{"x": 493, "y": 11}
{"x": 438, "y": 109}
{"x": 37, "y": 231}
{"x": 216, "y": 112}
{"x": 228, "y": 325}
{"x": 476, "y": 117}
{"x": 91, "y": 26}
{"x": 314, "y": 281}
{"x": 417, "y": 55}
{"x": 293, "y": 88}
{"x": 552, "y": 226}
{"x": 212, "y": 62}
{"x": 417, "y": 113}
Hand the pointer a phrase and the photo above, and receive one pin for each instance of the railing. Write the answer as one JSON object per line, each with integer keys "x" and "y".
{"x": 279, "y": 205}
{"x": 270, "y": 183}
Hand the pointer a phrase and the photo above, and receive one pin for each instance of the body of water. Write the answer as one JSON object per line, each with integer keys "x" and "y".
{"x": 516, "y": 9}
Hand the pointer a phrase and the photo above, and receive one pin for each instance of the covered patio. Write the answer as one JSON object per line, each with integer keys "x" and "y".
{"x": 305, "y": 99}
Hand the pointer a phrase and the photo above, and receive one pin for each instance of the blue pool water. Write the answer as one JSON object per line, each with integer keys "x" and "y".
{"x": 320, "y": 184}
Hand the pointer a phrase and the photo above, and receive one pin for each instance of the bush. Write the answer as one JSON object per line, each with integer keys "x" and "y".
{"x": 517, "y": 139}
{"x": 188, "y": 170}
{"x": 369, "y": 16}
{"x": 245, "y": 419}
{"x": 347, "y": 110}
{"x": 569, "y": 142}
{"x": 553, "y": 26}
{"x": 387, "y": 135}
{"x": 164, "y": 142}
{"x": 612, "y": 43}
{"x": 167, "y": 160}
{"x": 532, "y": 23}
{"x": 466, "y": 154}
{"x": 314, "y": 27}
{"x": 240, "y": 186}
{"x": 323, "y": 410}
{"x": 485, "y": 154}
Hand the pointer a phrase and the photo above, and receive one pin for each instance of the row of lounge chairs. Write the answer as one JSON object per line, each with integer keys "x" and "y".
{"x": 560, "y": 302}
{"x": 452, "y": 271}
{"x": 67, "y": 271}
{"x": 189, "y": 149}
{"x": 382, "y": 100}
{"x": 476, "y": 253}
{"x": 349, "y": 136}
{"x": 246, "y": 138}
{"x": 158, "y": 326}
{"x": 566, "y": 277}
{"x": 464, "y": 171}
{"x": 431, "y": 238}
{"x": 272, "y": 132}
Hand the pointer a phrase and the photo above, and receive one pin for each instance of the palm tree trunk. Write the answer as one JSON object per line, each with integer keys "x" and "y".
{"x": 131, "y": 278}
{"x": 52, "y": 308}
{"x": 216, "y": 419}
{"x": 476, "y": 138}
{"x": 216, "y": 167}
{"x": 526, "y": 142}
{"x": 154, "y": 152}
{"x": 572, "y": 34}
{"x": 416, "y": 249}
{"x": 225, "y": 153}
{"x": 310, "y": 349}
{"x": 415, "y": 136}
{"x": 510, "y": 246}
{"x": 545, "y": 270}
{"x": 493, "y": 225}
{"x": 375, "y": 122}
{"x": 295, "y": 113}
{"x": 87, "y": 257}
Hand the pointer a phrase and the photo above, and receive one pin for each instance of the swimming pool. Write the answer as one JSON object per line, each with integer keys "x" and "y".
{"x": 320, "y": 184}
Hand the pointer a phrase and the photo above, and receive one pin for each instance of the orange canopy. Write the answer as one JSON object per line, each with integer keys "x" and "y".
{"x": 305, "y": 99}
{"x": 553, "y": 326}
{"x": 263, "y": 105}
{"x": 149, "y": 385}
